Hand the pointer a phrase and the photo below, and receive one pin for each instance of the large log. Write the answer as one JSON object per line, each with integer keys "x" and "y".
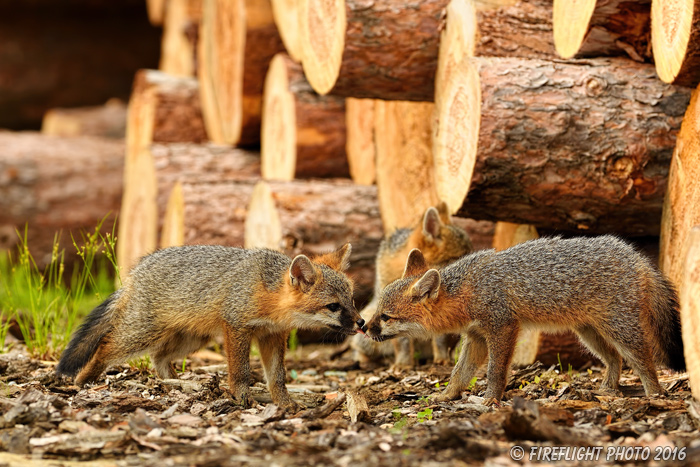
{"x": 162, "y": 108}
{"x": 237, "y": 41}
{"x": 593, "y": 28}
{"x": 675, "y": 39}
{"x": 180, "y": 33}
{"x": 570, "y": 145}
{"x": 57, "y": 184}
{"x": 690, "y": 309}
{"x": 681, "y": 210}
{"x": 303, "y": 133}
{"x": 386, "y": 49}
{"x": 69, "y": 54}
{"x": 317, "y": 216}
{"x": 104, "y": 121}
{"x": 404, "y": 162}
{"x": 359, "y": 146}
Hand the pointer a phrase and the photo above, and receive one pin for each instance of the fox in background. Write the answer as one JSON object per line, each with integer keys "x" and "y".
{"x": 601, "y": 288}
{"x": 177, "y": 299}
{"x": 441, "y": 243}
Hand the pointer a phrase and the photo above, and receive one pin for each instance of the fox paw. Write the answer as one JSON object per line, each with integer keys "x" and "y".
{"x": 290, "y": 406}
{"x": 447, "y": 396}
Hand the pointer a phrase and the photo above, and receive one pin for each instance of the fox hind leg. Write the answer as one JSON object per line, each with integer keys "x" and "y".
{"x": 634, "y": 348}
{"x": 175, "y": 348}
{"x": 441, "y": 349}
{"x": 606, "y": 352}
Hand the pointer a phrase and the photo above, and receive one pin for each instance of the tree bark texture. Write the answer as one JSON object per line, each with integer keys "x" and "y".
{"x": 57, "y": 184}
{"x": 574, "y": 145}
{"x": 71, "y": 54}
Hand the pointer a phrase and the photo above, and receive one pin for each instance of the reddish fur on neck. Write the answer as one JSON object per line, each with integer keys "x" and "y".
{"x": 446, "y": 313}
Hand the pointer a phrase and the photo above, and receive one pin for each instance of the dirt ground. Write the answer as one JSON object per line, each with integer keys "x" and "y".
{"x": 133, "y": 418}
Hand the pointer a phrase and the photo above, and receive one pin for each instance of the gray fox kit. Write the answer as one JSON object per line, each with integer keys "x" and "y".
{"x": 177, "y": 299}
{"x": 601, "y": 288}
{"x": 441, "y": 242}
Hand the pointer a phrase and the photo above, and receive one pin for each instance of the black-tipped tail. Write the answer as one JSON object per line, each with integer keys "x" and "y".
{"x": 667, "y": 322}
{"x": 86, "y": 339}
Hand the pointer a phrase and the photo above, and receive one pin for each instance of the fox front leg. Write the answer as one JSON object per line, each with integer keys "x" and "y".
{"x": 237, "y": 348}
{"x": 272, "y": 349}
{"x": 501, "y": 346}
{"x": 473, "y": 355}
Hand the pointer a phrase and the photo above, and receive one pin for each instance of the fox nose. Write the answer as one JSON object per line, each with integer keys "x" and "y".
{"x": 361, "y": 323}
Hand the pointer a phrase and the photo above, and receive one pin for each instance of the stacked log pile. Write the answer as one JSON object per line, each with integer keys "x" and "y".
{"x": 549, "y": 115}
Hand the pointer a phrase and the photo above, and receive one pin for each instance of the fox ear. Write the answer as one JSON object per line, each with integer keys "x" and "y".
{"x": 427, "y": 286}
{"x": 431, "y": 224}
{"x": 338, "y": 260}
{"x": 444, "y": 212}
{"x": 302, "y": 273}
{"x": 415, "y": 264}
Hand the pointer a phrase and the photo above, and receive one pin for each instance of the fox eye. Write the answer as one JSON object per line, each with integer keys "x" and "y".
{"x": 385, "y": 317}
{"x": 333, "y": 306}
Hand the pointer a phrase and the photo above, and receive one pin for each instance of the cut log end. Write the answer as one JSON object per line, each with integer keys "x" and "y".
{"x": 571, "y": 20}
{"x": 262, "y": 224}
{"x": 359, "y": 121}
{"x": 278, "y": 138}
{"x": 456, "y": 132}
{"x": 322, "y": 25}
{"x": 690, "y": 309}
{"x": 173, "y": 233}
{"x": 674, "y": 40}
{"x": 286, "y": 15}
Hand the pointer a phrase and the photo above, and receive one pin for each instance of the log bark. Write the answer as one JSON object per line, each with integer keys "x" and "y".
{"x": 162, "y": 108}
{"x": 675, "y": 38}
{"x": 57, "y": 184}
{"x": 404, "y": 167}
{"x": 593, "y": 28}
{"x": 572, "y": 145}
{"x": 315, "y": 217}
{"x": 69, "y": 54}
{"x": 237, "y": 41}
{"x": 690, "y": 309}
{"x": 523, "y": 30}
{"x": 104, "y": 121}
{"x": 286, "y": 16}
{"x": 180, "y": 33}
{"x": 385, "y": 49}
{"x": 359, "y": 146}
{"x": 358, "y": 408}
{"x": 681, "y": 210}
{"x": 303, "y": 133}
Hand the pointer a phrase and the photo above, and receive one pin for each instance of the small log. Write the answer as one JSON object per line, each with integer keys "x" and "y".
{"x": 237, "y": 41}
{"x": 605, "y": 173}
{"x": 386, "y": 49}
{"x": 358, "y": 408}
{"x": 162, "y": 108}
{"x": 286, "y": 15}
{"x": 317, "y": 216}
{"x": 404, "y": 162}
{"x": 57, "y": 184}
{"x": 690, "y": 309}
{"x": 523, "y": 29}
{"x": 303, "y": 134}
{"x": 681, "y": 210}
{"x": 180, "y": 32}
{"x": 324, "y": 410}
{"x": 359, "y": 146}
{"x": 675, "y": 39}
{"x": 593, "y": 28}
{"x": 104, "y": 121}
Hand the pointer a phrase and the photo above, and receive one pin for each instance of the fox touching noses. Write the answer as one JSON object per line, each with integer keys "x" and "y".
{"x": 618, "y": 304}
{"x": 177, "y": 299}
